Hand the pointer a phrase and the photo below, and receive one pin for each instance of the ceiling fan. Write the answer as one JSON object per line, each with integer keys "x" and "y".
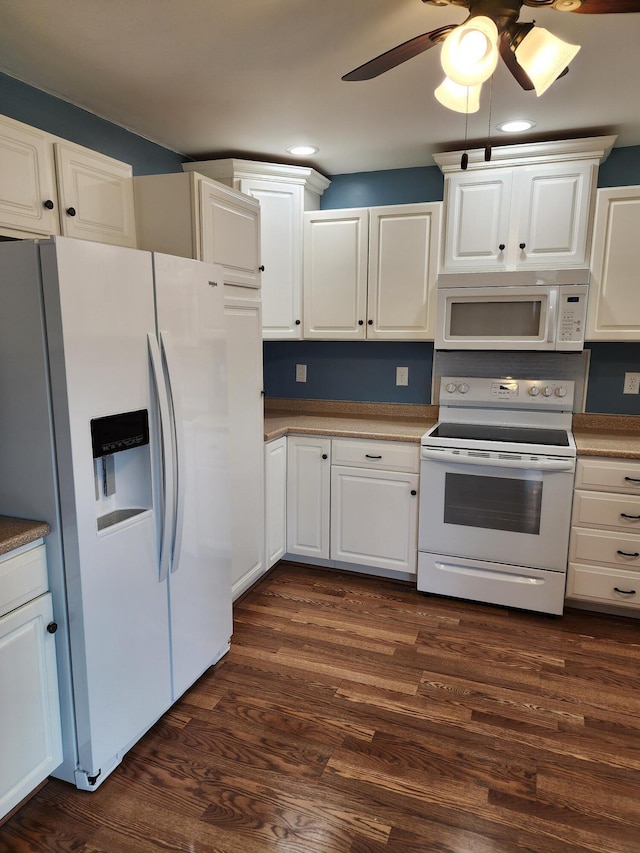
{"x": 518, "y": 44}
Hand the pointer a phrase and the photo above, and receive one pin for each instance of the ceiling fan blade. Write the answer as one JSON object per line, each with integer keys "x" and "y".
{"x": 603, "y": 7}
{"x": 398, "y": 55}
{"x": 509, "y": 58}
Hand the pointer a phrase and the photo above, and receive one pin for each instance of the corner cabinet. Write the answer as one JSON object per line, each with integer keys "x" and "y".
{"x": 51, "y": 186}
{"x": 614, "y": 297}
{"x": 370, "y": 273}
{"x": 529, "y": 208}
{"x": 284, "y": 193}
{"x": 275, "y": 500}
{"x": 308, "y": 496}
{"x": 30, "y": 733}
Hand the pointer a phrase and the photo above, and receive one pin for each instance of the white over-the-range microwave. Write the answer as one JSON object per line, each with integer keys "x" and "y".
{"x": 524, "y": 310}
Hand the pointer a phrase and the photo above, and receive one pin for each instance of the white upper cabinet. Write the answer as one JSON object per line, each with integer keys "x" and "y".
{"x": 50, "y": 186}
{"x": 96, "y": 196}
{"x": 191, "y": 216}
{"x": 371, "y": 273}
{"x": 529, "y": 208}
{"x": 284, "y": 193}
{"x": 614, "y": 296}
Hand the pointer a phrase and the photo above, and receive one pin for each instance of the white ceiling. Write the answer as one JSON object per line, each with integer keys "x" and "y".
{"x": 251, "y": 77}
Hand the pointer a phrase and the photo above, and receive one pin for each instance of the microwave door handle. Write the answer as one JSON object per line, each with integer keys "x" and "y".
{"x": 552, "y": 316}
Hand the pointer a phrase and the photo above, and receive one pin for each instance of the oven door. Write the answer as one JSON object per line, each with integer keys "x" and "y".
{"x": 503, "y": 510}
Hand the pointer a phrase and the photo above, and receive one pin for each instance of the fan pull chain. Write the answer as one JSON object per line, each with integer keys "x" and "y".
{"x": 464, "y": 162}
{"x": 487, "y": 148}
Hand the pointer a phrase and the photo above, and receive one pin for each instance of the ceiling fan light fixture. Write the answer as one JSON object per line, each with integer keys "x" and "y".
{"x": 470, "y": 52}
{"x": 544, "y": 57}
{"x": 460, "y": 99}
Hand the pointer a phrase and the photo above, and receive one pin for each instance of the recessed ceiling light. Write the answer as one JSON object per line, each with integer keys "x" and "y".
{"x": 516, "y": 125}
{"x": 303, "y": 150}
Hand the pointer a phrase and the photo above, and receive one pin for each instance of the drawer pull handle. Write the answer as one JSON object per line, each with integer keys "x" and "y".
{"x": 369, "y": 456}
{"x": 633, "y": 479}
{"x": 627, "y": 554}
{"x": 625, "y": 515}
{"x": 624, "y": 591}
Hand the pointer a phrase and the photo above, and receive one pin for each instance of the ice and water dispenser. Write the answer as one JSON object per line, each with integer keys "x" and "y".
{"x": 122, "y": 466}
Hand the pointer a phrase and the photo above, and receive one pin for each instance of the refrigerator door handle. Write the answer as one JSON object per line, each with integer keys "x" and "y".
{"x": 178, "y": 437}
{"x": 167, "y": 465}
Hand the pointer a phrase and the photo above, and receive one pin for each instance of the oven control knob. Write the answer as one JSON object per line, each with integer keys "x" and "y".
{"x": 547, "y": 391}
{"x": 450, "y": 387}
{"x": 534, "y": 390}
{"x": 561, "y": 391}
{"x": 463, "y": 387}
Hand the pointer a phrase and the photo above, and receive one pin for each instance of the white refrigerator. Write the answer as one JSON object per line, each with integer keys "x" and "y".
{"x": 114, "y": 429}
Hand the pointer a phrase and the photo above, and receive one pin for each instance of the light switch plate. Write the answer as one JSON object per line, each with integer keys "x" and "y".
{"x": 402, "y": 375}
{"x": 301, "y": 372}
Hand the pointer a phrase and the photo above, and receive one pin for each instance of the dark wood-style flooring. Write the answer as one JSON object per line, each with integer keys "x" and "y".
{"x": 354, "y": 715}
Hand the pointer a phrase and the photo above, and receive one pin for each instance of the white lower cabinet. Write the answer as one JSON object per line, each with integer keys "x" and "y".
{"x": 30, "y": 734}
{"x": 308, "y": 496}
{"x": 604, "y": 551}
{"x": 275, "y": 500}
{"x": 353, "y": 501}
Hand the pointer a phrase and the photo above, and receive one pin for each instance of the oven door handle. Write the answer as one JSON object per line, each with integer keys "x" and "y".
{"x": 531, "y": 464}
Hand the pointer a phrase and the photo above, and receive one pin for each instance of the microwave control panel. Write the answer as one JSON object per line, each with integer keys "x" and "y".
{"x": 572, "y": 315}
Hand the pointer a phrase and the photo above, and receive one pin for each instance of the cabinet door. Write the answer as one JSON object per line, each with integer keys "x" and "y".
{"x": 335, "y": 274}
{"x": 477, "y": 220}
{"x": 230, "y": 233}
{"x": 275, "y": 491}
{"x": 246, "y": 441}
{"x": 308, "y": 483}
{"x": 404, "y": 242}
{"x": 96, "y": 196}
{"x": 29, "y": 712}
{"x": 27, "y": 181}
{"x": 551, "y": 209}
{"x": 281, "y": 208}
{"x": 374, "y": 518}
{"x": 614, "y": 296}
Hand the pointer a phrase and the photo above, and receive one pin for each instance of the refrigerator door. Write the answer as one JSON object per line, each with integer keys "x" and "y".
{"x": 99, "y": 309}
{"x": 190, "y": 313}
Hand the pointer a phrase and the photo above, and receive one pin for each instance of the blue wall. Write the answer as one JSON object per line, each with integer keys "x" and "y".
{"x": 36, "y": 108}
{"x": 363, "y": 370}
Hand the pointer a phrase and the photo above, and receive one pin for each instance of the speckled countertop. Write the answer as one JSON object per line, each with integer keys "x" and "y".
{"x": 386, "y": 421}
{"x": 607, "y": 435}
{"x": 15, "y": 532}
{"x": 595, "y": 435}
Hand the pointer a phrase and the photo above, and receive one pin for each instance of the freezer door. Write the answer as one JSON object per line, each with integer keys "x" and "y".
{"x": 190, "y": 311}
{"x": 99, "y": 308}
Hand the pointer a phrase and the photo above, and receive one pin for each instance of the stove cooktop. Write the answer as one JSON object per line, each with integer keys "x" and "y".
{"x": 508, "y": 434}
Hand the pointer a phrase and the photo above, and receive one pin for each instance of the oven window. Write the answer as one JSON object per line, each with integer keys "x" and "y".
{"x": 494, "y": 319}
{"x": 493, "y": 503}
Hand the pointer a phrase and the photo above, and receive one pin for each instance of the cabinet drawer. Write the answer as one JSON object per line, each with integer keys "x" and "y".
{"x": 599, "y": 509}
{"x": 608, "y": 475}
{"x": 23, "y": 576}
{"x": 383, "y": 455}
{"x": 620, "y": 550}
{"x": 606, "y": 585}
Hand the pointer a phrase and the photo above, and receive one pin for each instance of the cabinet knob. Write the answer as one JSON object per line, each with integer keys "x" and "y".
{"x": 297, "y": 322}
{"x": 71, "y": 211}
{"x": 414, "y": 492}
{"x": 324, "y": 456}
{"x": 361, "y": 322}
{"x": 522, "y": 245}
{"x": 52, "y": 627}
{"x": 502, "y": 247}
{"x": 261, "y": 268}
{"x": 370, "y": 322}
{"x": 48, "y": 204}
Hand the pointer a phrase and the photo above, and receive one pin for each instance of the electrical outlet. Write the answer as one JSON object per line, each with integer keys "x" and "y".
{"x": 631, "y": 383}
{"x": 402, "y": 375}
{"x": 301, "y": 372}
